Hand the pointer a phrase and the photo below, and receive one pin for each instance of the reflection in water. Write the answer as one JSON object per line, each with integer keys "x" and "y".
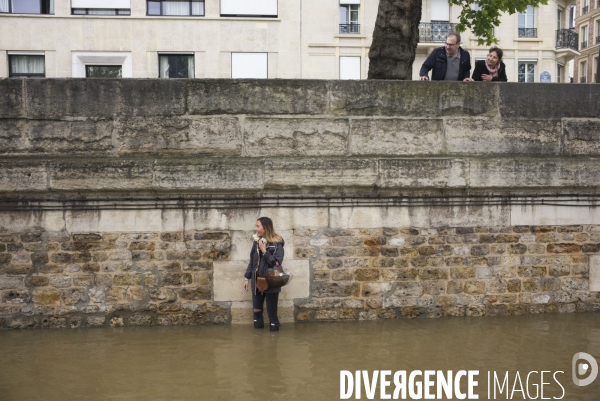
{"x": 302, "y": 361}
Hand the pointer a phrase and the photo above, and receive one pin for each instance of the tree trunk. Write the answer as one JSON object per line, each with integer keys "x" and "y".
{"x": 395, "y": 39}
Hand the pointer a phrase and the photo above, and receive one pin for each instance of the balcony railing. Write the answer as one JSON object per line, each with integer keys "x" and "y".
{"x": 349, "y": 28}
{"x": 584, "y": 10}
{"x": 583, "y": 80}
{"x": 435, "y": 31}
{"x": 597, "y": 39}
{"x": 567, "y": 39}
{"x": 598, "y": 4}
{"x": 583, "y": 45}
{"x": 528, "y": 32}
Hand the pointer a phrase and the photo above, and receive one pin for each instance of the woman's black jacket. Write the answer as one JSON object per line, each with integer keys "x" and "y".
{"x": 481, "y": 69}
{"x": 274, "y": 254}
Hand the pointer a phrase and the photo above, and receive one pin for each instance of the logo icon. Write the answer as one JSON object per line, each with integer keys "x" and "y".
{"x": 582, "y": 368}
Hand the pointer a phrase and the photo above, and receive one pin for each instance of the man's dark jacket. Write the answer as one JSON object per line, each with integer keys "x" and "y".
{"x": 437, "y": 61}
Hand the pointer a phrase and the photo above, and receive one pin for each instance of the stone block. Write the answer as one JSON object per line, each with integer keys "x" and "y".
{"x": 422, "y": 173}
{"x": 554, "y": 215}
{"x": 581, "y": 137}
{"x": 594, "y": 273}
{"x": 320, "y": 173}
{"x": 396, "y": 137}
{"x": 292, "y": 136}
{"x": 327, "y": 290}
{"x": 180, "y": 136}
{"x": 218, "y": 175}
{"x": 412, "y": 99}
{"x": 23, "y": 176}
{"x": 510, "y": 173}
{"x": 255, "y": 97}
{"x": 483, "y": 137}
{"x": 12, "y": 99}
{"x": 468, "y": 216}
{"x": 101, "y": 175}
{"x": 516, "y": 101}
{"x": 59, "y": 98}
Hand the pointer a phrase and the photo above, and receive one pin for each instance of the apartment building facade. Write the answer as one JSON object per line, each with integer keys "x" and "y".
{"x": 588, "y": 27}
{"x": 311, "y": 39}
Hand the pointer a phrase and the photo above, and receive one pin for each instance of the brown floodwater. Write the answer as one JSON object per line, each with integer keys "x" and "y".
{"x": 300, "y": 362}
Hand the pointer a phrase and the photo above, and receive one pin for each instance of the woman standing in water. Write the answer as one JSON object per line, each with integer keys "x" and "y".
{"x": 266, "y": 252}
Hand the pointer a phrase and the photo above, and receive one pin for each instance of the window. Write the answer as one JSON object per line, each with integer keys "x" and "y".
{"x": 559, "y": 18}
{"x": 245, "y": 8}
{"x": 21, "y": 65}
{"x": 526, "y": 71}
{"x": 103, "y": 71}
{"x": 585, "y": 6}
{"x": 560, "y": 70}
{"x": 101, "y": 65}
{"x": 598, "y": 32}
{"x": 27, "y": 6}
{"x": 583, "y": 72}
{"x": 176, "y": 8}
{"x": 349, "y": 18}
{"x": 584, "y": 37}
{"x": 176, "y": 66}
{"x": 101, "y": 7}
{"x": 527, "y": 23}
{"x": 571, "y": 17}
{"x": 349, "y": 67}
{"x": 440, "y": 11}
{"x": 249, "y": 65}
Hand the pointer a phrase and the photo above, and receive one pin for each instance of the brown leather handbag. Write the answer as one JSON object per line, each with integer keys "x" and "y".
{"x": 261, "y": 284}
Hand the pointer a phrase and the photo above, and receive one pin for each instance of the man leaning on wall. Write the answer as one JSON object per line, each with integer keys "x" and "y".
{"x": 449, "y": 62}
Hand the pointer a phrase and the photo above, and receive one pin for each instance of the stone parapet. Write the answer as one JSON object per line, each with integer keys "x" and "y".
{"x": 66, "y": 135}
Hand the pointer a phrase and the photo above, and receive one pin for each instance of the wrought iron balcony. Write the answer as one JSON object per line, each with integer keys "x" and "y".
{"x": 435, "y": 31}
{"x": 583, "y": 80}
{"x": 528, "y": 32}
{"x": 583, "y": 45}
{"x": 567, "y": 39}
{"x": 597, "y": 39}
{"x": 584, "y": 10}
{"x": 349, "y": 28}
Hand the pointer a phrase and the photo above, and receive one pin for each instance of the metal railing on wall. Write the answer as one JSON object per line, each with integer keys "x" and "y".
{"x": 567, "y": 39}
{"x": 583, "y": 44}
{"x": 435, "y": 31}
{"x": 349, "y": 28}
{"x": 528, "y": 32}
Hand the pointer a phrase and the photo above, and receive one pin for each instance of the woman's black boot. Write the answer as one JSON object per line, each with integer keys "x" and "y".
{"x": 259, "y": 322}
{"x": 275, "y": 326}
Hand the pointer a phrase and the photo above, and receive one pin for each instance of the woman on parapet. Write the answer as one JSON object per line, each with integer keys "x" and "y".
{"x": 266, "y": 253}
{"x": 490, "y": 69}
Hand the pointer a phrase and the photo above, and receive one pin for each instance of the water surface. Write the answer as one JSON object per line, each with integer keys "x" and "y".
{"x": 301, "y": 362}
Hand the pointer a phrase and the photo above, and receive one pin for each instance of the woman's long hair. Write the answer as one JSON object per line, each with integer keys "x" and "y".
{"x": 270, "y": 233}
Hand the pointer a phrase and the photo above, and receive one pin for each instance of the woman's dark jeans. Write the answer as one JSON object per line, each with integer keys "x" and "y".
{"x": 258, "y": 301}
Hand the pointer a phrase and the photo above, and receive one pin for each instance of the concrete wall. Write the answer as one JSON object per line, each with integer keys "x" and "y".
{"x": 132, "y": 202}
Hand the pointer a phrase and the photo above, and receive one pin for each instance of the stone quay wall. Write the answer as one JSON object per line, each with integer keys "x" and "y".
{"x": 132, "y": 202}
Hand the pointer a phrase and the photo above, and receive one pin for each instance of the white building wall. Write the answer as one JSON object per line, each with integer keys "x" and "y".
{"x": 303, "y": 41}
